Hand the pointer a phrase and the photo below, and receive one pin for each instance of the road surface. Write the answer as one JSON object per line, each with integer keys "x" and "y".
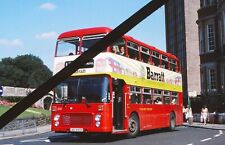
{"x": 182, "y": 136}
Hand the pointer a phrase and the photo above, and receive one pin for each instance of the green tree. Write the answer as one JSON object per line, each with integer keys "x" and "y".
{"x": 23, "y": 71}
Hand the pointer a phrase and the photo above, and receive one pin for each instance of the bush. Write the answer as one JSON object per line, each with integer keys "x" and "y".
{"x": 13, "y": 99}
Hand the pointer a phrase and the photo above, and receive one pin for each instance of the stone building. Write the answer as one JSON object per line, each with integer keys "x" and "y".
{"x": 182, "y": 40}
{"x": 211, "y": 25}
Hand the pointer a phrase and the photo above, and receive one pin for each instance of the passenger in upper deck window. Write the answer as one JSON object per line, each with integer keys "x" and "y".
{"x": 122, "y": 51}
{"x": 151, "y": 63}
{"x": 115, "y": 49}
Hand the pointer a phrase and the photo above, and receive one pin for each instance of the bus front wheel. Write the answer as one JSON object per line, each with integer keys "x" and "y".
{"x": 134, "y": 127}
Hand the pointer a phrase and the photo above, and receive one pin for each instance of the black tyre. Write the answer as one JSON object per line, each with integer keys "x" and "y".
{"x": 172, "y": 121}
{"x": 134, "y": 127}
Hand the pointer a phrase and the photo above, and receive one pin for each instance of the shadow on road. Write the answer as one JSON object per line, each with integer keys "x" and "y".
{"x": 99, "y": 138}
{"x": 95, "y": 138}
{"x": 156, "y": 131}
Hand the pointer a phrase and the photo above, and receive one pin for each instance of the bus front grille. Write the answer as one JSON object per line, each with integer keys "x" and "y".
{"x": 77, "y": 119}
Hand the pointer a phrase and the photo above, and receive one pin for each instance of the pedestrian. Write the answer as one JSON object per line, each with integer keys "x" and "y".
{"x": 204, "y": 114}
{"x": 184, "y": 114}
{"x": 189, "y": 115}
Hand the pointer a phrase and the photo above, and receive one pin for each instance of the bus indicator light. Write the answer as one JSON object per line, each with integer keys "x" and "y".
{"x": 100, "y": 108}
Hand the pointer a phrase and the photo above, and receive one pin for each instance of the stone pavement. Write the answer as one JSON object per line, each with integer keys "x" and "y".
{"x": 17, "y": 133}
{"x": 207, "y": 126}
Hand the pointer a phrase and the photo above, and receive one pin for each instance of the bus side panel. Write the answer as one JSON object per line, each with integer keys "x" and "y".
{"x": 126, "y": 106}
{"x": 179, "y": 115}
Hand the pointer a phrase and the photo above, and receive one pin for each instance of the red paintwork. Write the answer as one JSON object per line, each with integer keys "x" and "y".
{"x": 155, "y": 116}
{"x": 106, "y": 123}
{"x": 86, "y": 31}
{"x": 158, "y": 117}
{"x": 103, "y": 30}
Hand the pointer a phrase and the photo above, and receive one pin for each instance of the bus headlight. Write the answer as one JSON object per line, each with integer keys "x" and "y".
{"x": 56, "y": 123}
{"x": 97, "y": 124}
{"x": 97, "y": 117}
{"x": 56, "y": 117}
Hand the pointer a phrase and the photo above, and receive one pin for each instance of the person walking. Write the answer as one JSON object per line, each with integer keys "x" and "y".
{"x": 204, "y": 114}
{"x": 184, "y": 114}
{"x": 189, "y": 115}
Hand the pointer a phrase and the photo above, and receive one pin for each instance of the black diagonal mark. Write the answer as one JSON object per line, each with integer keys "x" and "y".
{"x": 101, "y": 45}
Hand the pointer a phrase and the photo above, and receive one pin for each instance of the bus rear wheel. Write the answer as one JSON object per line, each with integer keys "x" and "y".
{"x": 134, "y": 127}
{"x": 172, "y": 121}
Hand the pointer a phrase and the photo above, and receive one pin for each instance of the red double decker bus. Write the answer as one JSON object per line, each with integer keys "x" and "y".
{"x": 128, "y": 88}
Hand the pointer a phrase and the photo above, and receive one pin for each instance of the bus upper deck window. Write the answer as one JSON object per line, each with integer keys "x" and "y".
{"x": 173, "y": 65}
{"x": 133, "y": 52}
{"x": 156, "y": 58}
{"x": 164, "y": 62}
{"x": 90, "y": 40}
{"x": 119, "y": 47}
{"x": 145, "y": 55}
{"x": 68, "y": 46}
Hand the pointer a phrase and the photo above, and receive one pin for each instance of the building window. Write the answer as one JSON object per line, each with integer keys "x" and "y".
{"x": 223, "y": 27}
{"x": 201, "y": 38}
{"x": 201, "y": 3}
{"x": 220, "y": 38}
{"x": 205, "y": 3}
{"x": 224, "y": 79}
{"x": 211, "y": 41}
{"x": 212, "y": 79}
{"x": 223, "y": 83}
{"x": 203, "y": 80}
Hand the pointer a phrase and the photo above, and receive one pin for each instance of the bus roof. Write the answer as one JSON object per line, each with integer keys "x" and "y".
{"x": 85, "y": 31}
{"x": 102, "y": 30}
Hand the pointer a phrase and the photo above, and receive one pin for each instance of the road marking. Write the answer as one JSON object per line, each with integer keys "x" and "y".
{"x": 220, "y": 133}
{"x": 190, "y": 144}
{"x": 36, "y": 140}
{"x": 217, "y": 135}
{"x": 206, "y": 139}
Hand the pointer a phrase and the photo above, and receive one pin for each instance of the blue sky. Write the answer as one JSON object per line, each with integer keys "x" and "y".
{"x": 32, "y": 27}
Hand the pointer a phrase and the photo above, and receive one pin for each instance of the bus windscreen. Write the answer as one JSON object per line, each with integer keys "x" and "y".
{"x": 92, "y": 89}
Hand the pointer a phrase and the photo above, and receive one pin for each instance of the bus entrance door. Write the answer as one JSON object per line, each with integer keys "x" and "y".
{"x": 118, "y": 101}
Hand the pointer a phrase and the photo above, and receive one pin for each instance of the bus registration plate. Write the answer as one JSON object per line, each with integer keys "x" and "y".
{"x": 76, "y": 129}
